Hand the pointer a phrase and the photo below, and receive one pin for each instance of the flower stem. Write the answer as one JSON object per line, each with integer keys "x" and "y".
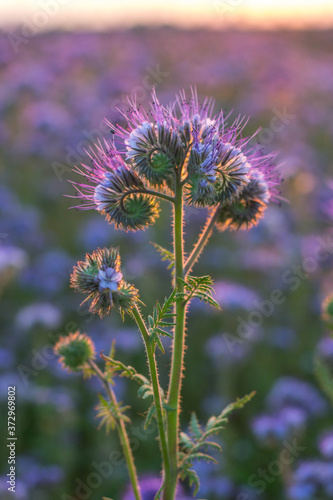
{"x": 156, "y": 387}
{"x": 178, "y": 350}
{"x": 121, "y": 428}
{"x": 203, "y": 239}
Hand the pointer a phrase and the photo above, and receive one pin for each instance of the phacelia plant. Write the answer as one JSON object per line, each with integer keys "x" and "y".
{"x": 185, "y": 155}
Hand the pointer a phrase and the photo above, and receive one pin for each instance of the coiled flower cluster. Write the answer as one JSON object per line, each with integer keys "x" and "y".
{"x": 138, "y": 166}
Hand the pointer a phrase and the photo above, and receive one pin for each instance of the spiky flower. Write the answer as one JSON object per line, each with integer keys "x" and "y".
{"x": 185, "y": 140}
{"x": 248, "y": 208}
{"x": 75, "y": 350}
{"x": 116, "y": 191}
{"x": 99, "y": 276}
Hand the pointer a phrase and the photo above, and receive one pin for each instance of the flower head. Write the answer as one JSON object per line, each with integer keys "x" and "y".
{"x": 184, "y": 140}
{"x": 75, "y": 350}
{"x": 100, "y": 276}
{"x": 248, "y": 208}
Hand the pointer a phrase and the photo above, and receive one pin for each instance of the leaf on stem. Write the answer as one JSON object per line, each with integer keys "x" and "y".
{"x": 194, "y": 445}
{"x": 160, "y": 320}
{"x": 115, "y": 367}
{"x": 165, "y": 254}
{"x": 199, "y": 287}
{"x": 110, "y": 414}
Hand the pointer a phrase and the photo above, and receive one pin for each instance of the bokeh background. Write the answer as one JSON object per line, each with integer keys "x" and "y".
{"x": 59, "y": 80}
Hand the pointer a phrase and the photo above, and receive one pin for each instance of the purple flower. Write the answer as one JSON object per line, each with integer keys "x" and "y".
{"x": 278, "y": 427}
{"x": 185, "y": 138}
{"x": 43, "y": 314}
{"x": 325, "y": 348}
{"x": 292, "y": 392}
{"x": 326, "y": 445}
{"x": 312, "y": 479}
{"x": 109, "y": 278}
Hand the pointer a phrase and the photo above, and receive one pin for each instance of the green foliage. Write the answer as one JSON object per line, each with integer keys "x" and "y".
{"x": 110, "y": 414}
{"x": 115, "y": 367}
{"x": 160, "y": 320}
{"x": 166, "y": 255}
{"x": 200, "y": 288}
{"x": 194, "y": 445}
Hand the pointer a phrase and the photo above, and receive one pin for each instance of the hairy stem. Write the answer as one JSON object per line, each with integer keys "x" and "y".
{"x": 178, "y": 350}
{"x": 122, "y": 432}
{"x": 156, "y": 387}
{"x": 202, "y": 241}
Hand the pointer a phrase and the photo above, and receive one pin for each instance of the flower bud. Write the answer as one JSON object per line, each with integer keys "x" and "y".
{"x": 247, "y": 209}
{"x": 155, "y": 150}
{"x": 75, "y": 350}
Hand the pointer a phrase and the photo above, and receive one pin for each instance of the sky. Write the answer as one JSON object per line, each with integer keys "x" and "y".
{"x": 100, "y": 14}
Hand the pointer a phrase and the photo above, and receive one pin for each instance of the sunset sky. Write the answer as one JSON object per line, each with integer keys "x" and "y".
{"x": 98, "y": 14}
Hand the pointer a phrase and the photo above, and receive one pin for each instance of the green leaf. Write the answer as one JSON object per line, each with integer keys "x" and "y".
{"x": 185, "y": 441}
{"x": 195, "y": 426}
{"x": 166, "y": 255}
{"x": 194, "y": 446}
{"x": 157, "y": 321}
{"x": 115, "y": 367}
{"x": 110, "y": 414}
{"x": 150, "y": 414}
{"x": 192, "y": 478}
{"x": 200, "y": 288}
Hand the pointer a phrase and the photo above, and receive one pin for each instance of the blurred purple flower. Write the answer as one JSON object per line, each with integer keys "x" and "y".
{"x": 293, "y": 392}
{"x": 149, "y": 487}
{"x": 41, "y": 314}
{"x": 326, "y": 445}
{"x": 325, "y": 348}
{"x": 232, "y": 295}
{"x": 279, "y": 426}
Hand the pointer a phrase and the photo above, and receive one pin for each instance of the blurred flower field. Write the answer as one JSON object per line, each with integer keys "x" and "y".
{"x": 56, "y": 89}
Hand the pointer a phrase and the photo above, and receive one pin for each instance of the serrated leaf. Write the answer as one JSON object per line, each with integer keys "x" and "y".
{"x": 165, "y": 254}
{"x": 110, "y": 413}
{"x": 157, "y": 321}
{"x": 115, "y": 367}
{"x": 195, "y": 426}
{"x": 194, "y": 447}
{"x": 199, "y": 287}
{"x": 150, "y": 414}
{"x": 192, "y": 477}
{"x": 186, "y": 441}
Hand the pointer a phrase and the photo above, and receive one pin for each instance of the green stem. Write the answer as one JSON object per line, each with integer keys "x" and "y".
{"x": 203, "y": 239}
{"x": 121, "y": 428}
{"x": 178, "y": 350}
{"x": 156, "y": 387}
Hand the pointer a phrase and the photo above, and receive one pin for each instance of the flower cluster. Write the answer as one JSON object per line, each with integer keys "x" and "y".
{"x": 100, "y": 277}
{"x": 75, "y": 350}
{"x": 217, "y": 167}
{"x": 291, "y": 403}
